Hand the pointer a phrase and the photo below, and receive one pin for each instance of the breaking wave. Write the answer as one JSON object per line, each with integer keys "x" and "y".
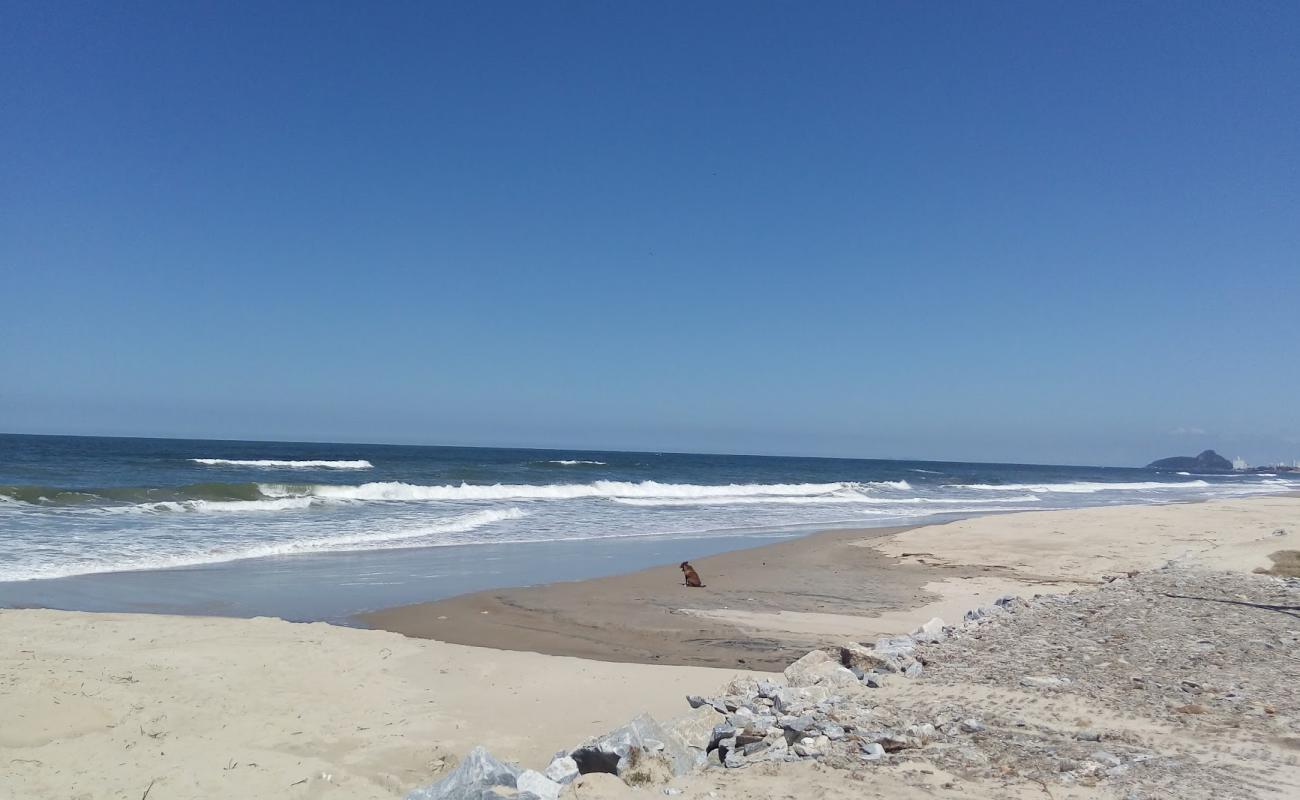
{"x": 1078, "y": 488}
{"x": 436, "y": 533}
{"x": 612, "y": 490}
{"x": 270, "y": 463}
{"x": 257, "y": 497}
{"x": 565, "y": 462}
{"x": 846, "y": 497}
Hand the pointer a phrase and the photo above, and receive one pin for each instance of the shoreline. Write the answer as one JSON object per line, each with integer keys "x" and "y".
{"x": 763, "y": 607}
{"x": 176, "y": 707}
{"x": 339, "y": 587}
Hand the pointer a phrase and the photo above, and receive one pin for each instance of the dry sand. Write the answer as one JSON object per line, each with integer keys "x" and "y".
{"x": 105, "y": 706}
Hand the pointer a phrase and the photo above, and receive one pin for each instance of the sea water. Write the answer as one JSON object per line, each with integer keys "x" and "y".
{"x": 354, "y": 514}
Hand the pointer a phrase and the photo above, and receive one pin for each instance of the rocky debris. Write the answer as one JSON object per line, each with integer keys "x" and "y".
{"x": 1217, "y": 655}
{"x": 1184, "y": 657}
{"x": 636, "y": 752}
{"x": 477, "y": 777}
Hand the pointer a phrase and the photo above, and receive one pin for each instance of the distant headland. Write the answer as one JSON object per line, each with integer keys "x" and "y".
{"x": 1207, "y": 461}
{"x": 1210, "y": 462}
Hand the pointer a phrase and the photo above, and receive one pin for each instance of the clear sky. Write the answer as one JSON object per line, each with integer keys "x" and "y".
{"x": 1055, "y": 232}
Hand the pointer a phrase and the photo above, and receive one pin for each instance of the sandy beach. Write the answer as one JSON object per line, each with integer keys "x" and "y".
{"x": 117, "y": 705}
{"x": 764, "y": 607}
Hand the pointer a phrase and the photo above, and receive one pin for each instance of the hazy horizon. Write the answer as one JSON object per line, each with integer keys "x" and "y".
{"x": 563, "y": 449}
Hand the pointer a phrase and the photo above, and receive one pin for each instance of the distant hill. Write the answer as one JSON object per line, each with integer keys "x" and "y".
{"x": 1208, "y": 461}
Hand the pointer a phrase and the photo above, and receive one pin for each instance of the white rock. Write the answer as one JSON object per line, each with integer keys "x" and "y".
{"x": 562, "y": 769}
{"x": 895, "y": 646}
{"x": 809, "y": 747}
{"x": 793, "y": 700}
{"x": 866, "y": 659}
{"x": 931, "y": 631}
{"x": 532, "y": 782}
{"x": 800, "y": 673}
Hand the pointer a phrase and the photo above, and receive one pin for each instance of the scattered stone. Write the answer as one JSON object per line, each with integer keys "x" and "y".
{"x": 810, "y": 747}
{"x": 1106, "y": 759}
{"x": 872, "y": 751}
{"x": 892, "y": 743}
{"x": 1044, "y": 681}
{"x": 1088, "y": 736}
{"x": 972, "y": 726}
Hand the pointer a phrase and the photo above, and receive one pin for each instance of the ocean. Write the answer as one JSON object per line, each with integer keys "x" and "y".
{"x": 320, "y": 531}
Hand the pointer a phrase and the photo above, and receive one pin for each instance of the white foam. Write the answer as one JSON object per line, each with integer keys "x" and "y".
{"x": 847, "y": 497}
{"x": 390, "y": 490}
{"x": 379, "y": 540}
{"x": 270, "y": 463}
{"x": 1078, "y": 488}
{"x": 253, "y": 506}
{"x": 902, "y": 486}
{"x": 575, "y": 462}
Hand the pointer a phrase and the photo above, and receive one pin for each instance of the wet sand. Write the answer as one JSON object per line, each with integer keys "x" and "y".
{"x": 823, "y": 588}
{"x": 763, "y": 607}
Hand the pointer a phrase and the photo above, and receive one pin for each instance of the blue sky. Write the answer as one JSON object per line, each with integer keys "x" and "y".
{"x": 1012, "y": 231}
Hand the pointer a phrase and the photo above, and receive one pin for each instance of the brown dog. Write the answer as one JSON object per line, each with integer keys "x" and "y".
{"x": 692, "y": 577}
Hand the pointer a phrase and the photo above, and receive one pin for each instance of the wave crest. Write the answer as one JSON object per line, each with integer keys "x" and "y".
{"x": 613, "y": 490}
{"x": 1077, "y": 488}
{"x": 272, "y": 463}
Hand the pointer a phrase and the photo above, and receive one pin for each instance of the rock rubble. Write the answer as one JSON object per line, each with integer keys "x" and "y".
{"x": 1198, "y": 653}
